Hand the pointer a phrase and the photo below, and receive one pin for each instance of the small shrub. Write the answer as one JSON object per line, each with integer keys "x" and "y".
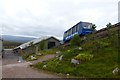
{"x": 84, "y": 57}
{"x": 93, "y": 27}
{"x": 75, "y": 41}
{"x": 70, "y": 53}
{"x": 109, "y": 25}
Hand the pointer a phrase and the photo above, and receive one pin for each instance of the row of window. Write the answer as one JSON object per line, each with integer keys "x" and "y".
{"x": 87, "y": 26}
{"x": 77, "y": 28}
{"x": 72, "y": 30}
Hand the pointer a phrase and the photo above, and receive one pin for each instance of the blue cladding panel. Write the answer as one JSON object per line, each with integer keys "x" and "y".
{"x": 86, "y": 31}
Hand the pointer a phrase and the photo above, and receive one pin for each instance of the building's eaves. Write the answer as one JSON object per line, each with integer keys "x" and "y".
{"x": 35, "y": 41}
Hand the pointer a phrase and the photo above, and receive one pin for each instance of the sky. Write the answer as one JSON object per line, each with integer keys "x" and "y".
{"x": 37, "y": 18}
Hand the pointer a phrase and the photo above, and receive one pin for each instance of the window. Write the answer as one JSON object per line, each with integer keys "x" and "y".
{"x": 87, "y": 26}
{"x": 65, "y": 34}
{"x": 70, "y": 31}
{"x": 90, "y": 26}
{"x": 77, "y": 28}
{"x": 73, "y": 30}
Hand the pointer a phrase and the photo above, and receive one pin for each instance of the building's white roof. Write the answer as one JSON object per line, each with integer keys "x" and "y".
{"x": 35, "y": 41}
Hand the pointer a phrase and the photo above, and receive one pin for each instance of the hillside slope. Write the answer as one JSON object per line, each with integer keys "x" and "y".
{"x": 103, "y": 45}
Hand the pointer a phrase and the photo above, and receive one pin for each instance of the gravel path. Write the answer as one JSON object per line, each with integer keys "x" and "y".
{"x": 12, "y": 69}
{"x": 22, "y": 70}
{"x": 43, "y": 58}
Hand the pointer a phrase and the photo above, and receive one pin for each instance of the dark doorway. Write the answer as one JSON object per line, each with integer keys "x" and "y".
{"x": 51, "y": 45}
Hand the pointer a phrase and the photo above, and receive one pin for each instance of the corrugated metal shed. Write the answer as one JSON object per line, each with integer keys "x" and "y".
{"x": 35, "y": 41}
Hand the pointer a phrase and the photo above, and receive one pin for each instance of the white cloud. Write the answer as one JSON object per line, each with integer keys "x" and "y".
{"x": 52, "y": 17}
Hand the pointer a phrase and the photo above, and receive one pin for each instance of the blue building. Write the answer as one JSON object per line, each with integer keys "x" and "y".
{"x": 81, "y": 28}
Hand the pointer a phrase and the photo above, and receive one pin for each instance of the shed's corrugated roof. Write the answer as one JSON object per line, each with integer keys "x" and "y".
{"x": 35, "y": 41}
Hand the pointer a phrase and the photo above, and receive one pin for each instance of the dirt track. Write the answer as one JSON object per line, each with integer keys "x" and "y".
{"x": 12, "y": 69}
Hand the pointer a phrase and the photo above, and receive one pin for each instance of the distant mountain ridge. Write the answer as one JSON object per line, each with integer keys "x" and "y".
{"x": 16, "y": 38}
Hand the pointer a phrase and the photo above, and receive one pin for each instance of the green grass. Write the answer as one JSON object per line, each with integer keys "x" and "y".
{"x": 105, "y": 60}
{"x": 100, "y": 66}
{"x": 49, "y": 51}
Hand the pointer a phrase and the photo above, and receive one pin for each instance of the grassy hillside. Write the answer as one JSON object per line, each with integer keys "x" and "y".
{"x": 104, "y": 49}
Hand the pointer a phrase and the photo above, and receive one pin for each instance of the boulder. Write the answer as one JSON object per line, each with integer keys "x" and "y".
{"x": 61, "y": 57}
{"x": 19, "y": 61}
{"x": 39, "y": 54}
{"x": 67, "y": 74}
{"x": 80, "y": 48}
{"x": 44, "y": 66}
{"x": 33, "y": 58}
{"x": 74, "y": 61}
{"x": 56, "y": 56}
{"x": 115, "y": 71}
{"x": 58, "y": 52}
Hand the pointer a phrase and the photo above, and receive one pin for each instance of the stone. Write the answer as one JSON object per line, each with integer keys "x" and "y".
{"x": 57, "y": 56}
{"x": 33, "y": 58}
{"x": 44, "y": 66}
{"x": 74, "y": 61}
{"x": 19, "y": 61}
{"x": 80, "y": 48}
{"x": 39, "y": 54}
{"x": 67, "y": 74}
{"x": 115, "y": 71}
{"x": 60, "y": 58}
{"x": 58, "y": 52}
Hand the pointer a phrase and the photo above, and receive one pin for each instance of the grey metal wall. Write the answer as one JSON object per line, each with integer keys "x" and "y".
{"x": 57, "y": 43}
